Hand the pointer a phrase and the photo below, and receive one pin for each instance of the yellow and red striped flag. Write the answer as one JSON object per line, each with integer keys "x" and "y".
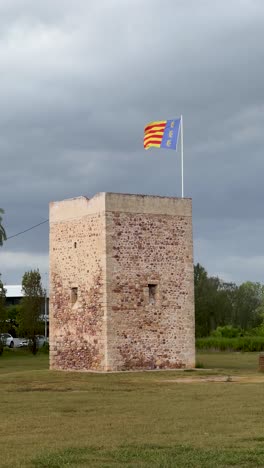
{"x": 162, "y": 134}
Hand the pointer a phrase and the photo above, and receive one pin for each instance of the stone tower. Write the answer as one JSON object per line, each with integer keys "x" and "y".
{"x": 121, "y": 292}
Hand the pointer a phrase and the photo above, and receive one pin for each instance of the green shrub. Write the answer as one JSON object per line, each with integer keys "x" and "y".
{"x": 228, "y": 331}
{"x": 242, "y": 343}
{"x": 258, "y": 331}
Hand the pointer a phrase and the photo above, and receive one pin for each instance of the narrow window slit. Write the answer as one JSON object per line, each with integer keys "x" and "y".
{"x": 74, "y": 295}
{"x": 152, "y": 288}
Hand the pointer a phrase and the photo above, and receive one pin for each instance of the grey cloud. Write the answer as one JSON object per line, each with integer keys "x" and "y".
{"x": 79, "y": 81}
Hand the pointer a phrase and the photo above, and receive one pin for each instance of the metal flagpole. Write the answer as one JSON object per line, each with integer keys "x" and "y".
{"x": 182, "y": 156}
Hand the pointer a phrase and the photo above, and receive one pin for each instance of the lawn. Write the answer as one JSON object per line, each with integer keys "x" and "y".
{"x": 203, "y": 418}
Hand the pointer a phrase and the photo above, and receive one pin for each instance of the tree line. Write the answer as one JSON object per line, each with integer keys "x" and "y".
{"x": 26, "y": 318}
{"x": 219, "y": 303}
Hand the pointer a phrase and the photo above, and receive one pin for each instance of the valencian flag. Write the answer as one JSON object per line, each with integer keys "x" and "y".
{"x": 162, "y": 134}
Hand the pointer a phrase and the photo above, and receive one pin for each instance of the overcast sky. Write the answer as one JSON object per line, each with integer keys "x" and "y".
{"x": 80, "y": 80}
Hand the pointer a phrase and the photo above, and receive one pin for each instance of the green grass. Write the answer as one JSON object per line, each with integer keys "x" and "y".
{"x": 60, "y": 419}
{"x": 235, "y": 362}
{"x": 150, "y": 456}
{"x": 15, "y": 360}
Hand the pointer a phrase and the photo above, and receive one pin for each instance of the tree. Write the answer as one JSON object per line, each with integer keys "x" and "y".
{"x": 226, "y": 297}
{"x": 2, "y": 230}
{"x": 3, "y": 317}
{"x": 214, "y": 301}
{"x": 3, "y": 314}
{"x": 249, "y": 305}
{"x": 202, "y": 315}
{"x": 220, "y": 304}
{"x": 206, "y": 301}
{"x": 30, "y": 320}
{"x": 13, "y": 312}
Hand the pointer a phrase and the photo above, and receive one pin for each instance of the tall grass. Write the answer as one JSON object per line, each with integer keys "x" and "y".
{"x": 241, "y": 343}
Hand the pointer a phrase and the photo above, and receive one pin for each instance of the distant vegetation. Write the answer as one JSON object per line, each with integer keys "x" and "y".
{"x": 3, "y": 314}
{"x": 228, "y": 316}
{"x": 245, "y": 343}
{"x": 24, "y": 319}
{"x": 30, "y": 320}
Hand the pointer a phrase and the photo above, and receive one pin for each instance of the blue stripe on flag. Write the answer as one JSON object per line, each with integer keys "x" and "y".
{"x": 171, "y": 134}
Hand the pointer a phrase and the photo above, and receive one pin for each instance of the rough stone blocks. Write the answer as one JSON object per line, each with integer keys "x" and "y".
{"x": 121, "y": 292}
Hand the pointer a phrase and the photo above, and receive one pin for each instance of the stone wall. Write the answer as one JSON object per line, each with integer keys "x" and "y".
{"x": 130, "y": 257}
{"x": 77, "y": 260}
{"x": 149, "y": 246}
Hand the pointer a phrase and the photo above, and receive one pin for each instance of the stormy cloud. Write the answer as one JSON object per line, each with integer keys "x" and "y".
{"x": 80, "y": 80}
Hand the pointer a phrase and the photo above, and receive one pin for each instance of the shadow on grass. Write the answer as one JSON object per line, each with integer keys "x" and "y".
{"x": 150, "y": 455}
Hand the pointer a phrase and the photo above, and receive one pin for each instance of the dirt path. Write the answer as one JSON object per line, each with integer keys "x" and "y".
{"x": 217, "y": 379}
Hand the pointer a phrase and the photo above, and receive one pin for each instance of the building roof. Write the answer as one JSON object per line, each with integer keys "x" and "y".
{"x": 13, "y": 290}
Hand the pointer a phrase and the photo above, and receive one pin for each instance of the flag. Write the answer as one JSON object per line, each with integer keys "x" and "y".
{"x": 162, "y": 134}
